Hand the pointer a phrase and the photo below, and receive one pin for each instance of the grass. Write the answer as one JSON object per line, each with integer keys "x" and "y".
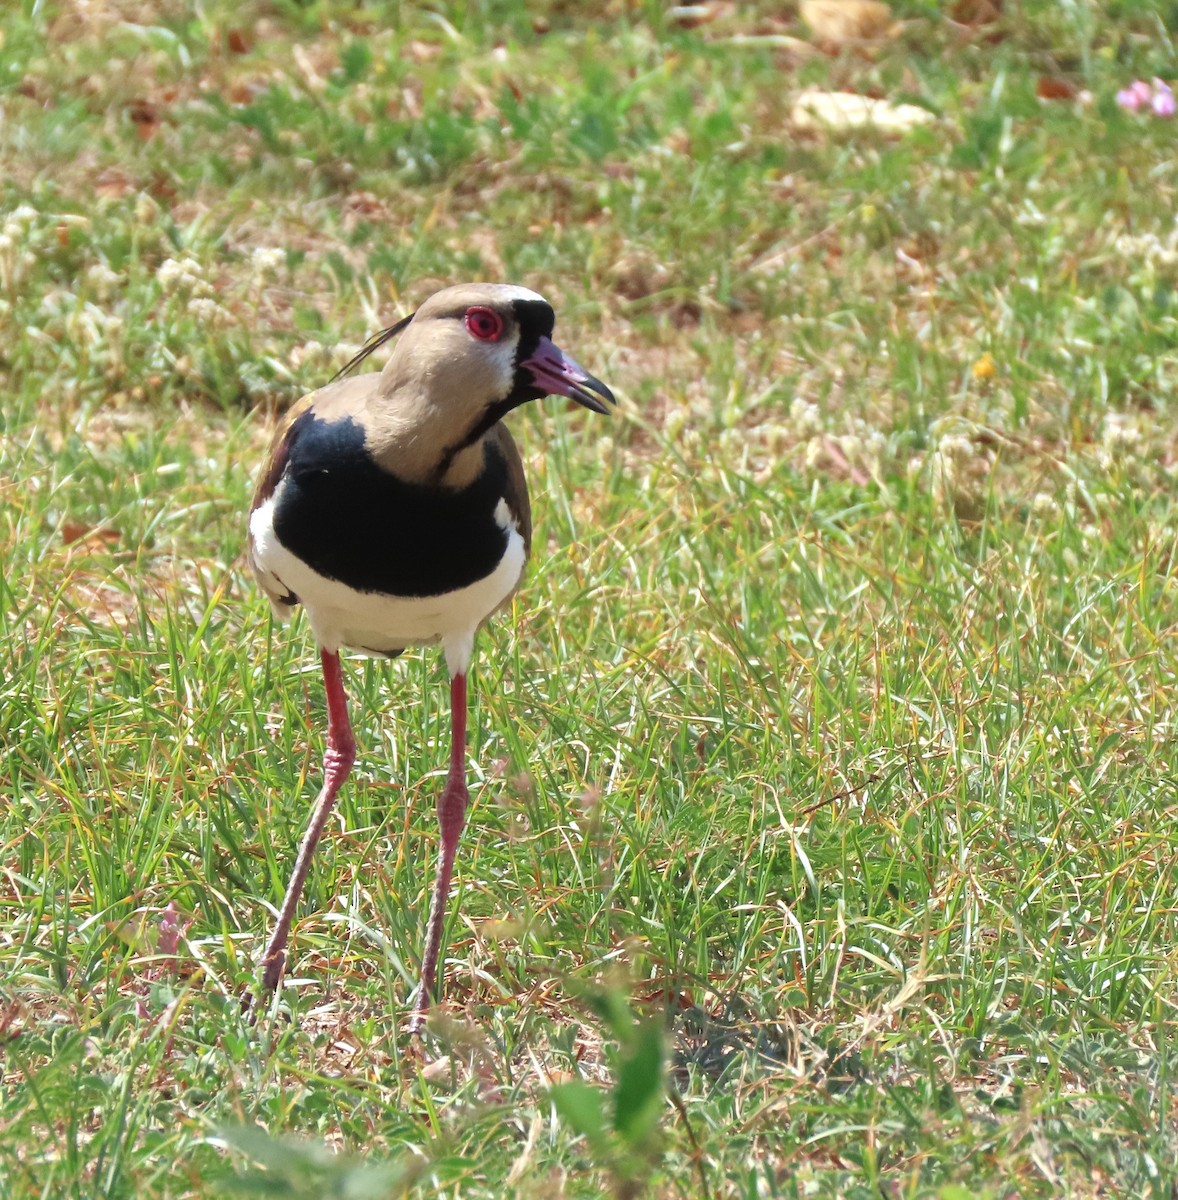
{"x": 832, "y": 734}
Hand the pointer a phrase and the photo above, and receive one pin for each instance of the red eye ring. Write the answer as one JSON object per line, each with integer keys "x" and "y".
{"x": 484, "y": 323}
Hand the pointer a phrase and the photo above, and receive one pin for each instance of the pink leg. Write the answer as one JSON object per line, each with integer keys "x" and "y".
{"x": 451, "y": 817}
{"x": 337, "y": 762}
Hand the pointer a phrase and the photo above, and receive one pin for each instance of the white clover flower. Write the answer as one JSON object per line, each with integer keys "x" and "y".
{"x": 1119, "y": 431}
{"x": 257, "y": 383}
{"x": 1044, "y": 506}
{"x": 773, "y": 435}
{"x": 957, "y": 448}
{"x": 960, "y": 468}
{"x": 170, "y": 275}
{"x": 86, "y": 325}
{"x": 267, "y": 260}
{"x": 805, "y": 418}
{"x": 102, "y": 280}
{"x": 309, "y": 353}
{"x": 674, "y": 423}
{"x": 180, "y": 275}
{"x": 208, "y": 312}
{"x": 54, "y": 302}
{"x": 1149, "y": 249}
{"x": 23, "y": 216}
{"x": 1119, "y": 434}
{"x": 732, "y": 442}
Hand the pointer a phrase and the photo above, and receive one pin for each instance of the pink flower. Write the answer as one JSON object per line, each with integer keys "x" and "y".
{"x": 1163, "y": 99}
{"x": 1135, "y": 96}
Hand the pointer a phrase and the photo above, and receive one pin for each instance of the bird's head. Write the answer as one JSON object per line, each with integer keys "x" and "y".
{"x": 478, "y": 350}
{"x": 466, "y": 358}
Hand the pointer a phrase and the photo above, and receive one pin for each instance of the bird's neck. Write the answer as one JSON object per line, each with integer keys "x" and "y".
{"x": 416, "y": 443}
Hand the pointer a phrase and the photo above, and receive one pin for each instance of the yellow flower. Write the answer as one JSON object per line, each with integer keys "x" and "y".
{"x": 984, "y": 368}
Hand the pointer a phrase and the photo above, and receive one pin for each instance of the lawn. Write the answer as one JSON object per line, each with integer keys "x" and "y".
{"x": 825, "y": 773}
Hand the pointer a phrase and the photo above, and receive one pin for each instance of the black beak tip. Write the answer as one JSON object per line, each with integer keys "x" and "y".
{"x": 592, "y": 388}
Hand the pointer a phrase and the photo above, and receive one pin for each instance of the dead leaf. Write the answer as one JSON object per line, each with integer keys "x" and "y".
{"x": 421, "y": 52}
{"x": 1052, "y": 87}
{"x": 310, "y": 73}
{"x": 76, "y": 531}
{"x": 849, "y": 21}
{"x": 146, "y": 118}
{"x": 976, "y": 12}
{"x": 238, "y": 41}
{"x": 815, "y": 110}
{"x": 438, "y": 1069}
{"x": 246, "y": 91}
{"x": 113, "y": 184}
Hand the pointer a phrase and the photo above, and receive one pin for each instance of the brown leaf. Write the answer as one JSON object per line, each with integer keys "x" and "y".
{"x": 162, "y": 188}
{"x": 839, "y": 21}
{"x": 420, "y": 51}
{"x": 1052, "y": 87}
{"x": 245, "y": 91}
{"x": 146, "y": 118}
{"x": 76, "y": 531}
{"x": 238, "y": 41}
{"x": 113, "y": 184}
{"x": 976, "y": 12}
{"x": 438, "y": 1069}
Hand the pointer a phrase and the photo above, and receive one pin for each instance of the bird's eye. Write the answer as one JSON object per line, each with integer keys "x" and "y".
{"x": 484, "y": 323}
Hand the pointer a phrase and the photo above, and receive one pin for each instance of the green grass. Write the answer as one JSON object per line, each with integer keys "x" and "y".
{"x": 833, "y": 728}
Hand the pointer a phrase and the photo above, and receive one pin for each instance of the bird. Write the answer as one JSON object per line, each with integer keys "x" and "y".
{"x": 394, "y": 509}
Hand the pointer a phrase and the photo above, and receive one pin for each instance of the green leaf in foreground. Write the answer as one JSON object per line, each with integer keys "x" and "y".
{"x": 580, "y": 1107}
{"x": 638, "y": 1093}
{"x": 296, "y": 1168}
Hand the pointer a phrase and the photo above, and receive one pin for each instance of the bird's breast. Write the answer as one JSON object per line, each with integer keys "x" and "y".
{"x": 380, "y": 563}
{"x": 351, "y": 521}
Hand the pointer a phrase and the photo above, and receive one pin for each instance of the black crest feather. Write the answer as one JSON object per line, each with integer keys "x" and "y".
{"x": 374, "y": 343}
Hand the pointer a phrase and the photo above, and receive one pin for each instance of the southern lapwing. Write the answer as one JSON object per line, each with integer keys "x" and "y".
{"x": 393, "y": 508}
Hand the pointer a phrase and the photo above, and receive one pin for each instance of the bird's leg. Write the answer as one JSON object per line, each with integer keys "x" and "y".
{"x": 337, "y": 762}
{"x": 451, "y": 818}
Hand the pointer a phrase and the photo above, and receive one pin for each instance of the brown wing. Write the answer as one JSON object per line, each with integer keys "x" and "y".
{"x": 517, "y": 485}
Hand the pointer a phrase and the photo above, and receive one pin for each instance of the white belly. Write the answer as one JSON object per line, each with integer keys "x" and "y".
{"x": 379, "y": 623}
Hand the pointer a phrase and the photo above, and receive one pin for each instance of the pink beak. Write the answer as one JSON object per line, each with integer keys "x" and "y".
{"x": 556, "y": 374}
